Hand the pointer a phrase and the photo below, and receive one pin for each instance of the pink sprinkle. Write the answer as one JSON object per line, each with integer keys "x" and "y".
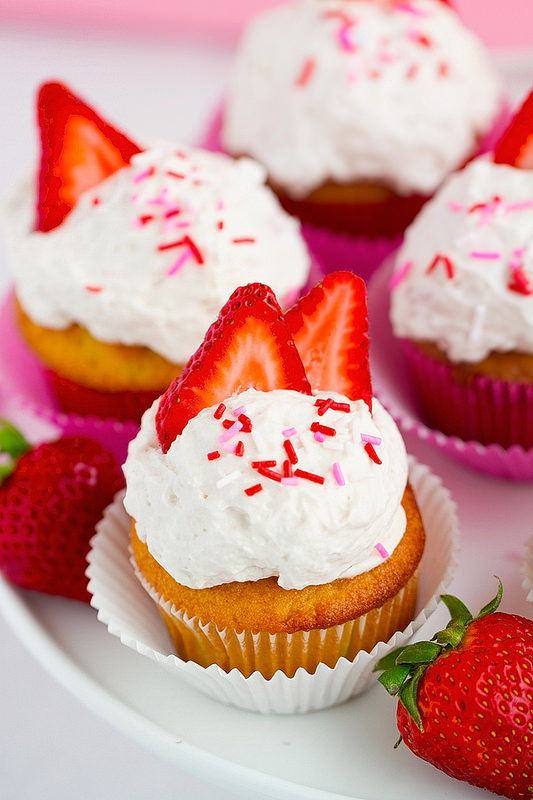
{"x": 94, "y": 289}
{"x": 182, "y": 225}
{"x": 231, "y": 432}
{"x": 147, "y": 173}
{"x": 400, "y": 274}
{"x": 381, "y": 550}
{"x": 485, "y": 254}
{"x": 365, "y": 437}
{"x": 288, "y": 432}
{"x": 229, "y": 447}
{"x": 521, "y": 206}
{"x": 320, "y": 437}
{"x": 307, "y": 73}
{"x": 344, "y": 37}
{"x": 337, "y": 474}
{"x": 290, "y": 481}
{"x": 409, "y": 9}
{"x": 455, "y": 206}
{"x": 220, "y": 205}
{"x": 177, "y": 265}
{"x": 519, "y": 251}
{"x": 239, "y": 410}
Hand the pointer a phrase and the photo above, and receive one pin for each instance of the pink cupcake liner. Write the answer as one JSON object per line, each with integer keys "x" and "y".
{"x": 485, "y": 410}
{"x": 25, "y": 391}
{"x": 336, "y": 250}
{"x": 394, "y": 388}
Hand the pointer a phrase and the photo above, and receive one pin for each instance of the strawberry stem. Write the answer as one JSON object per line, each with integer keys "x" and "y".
{"x": 13, "y": 446}
{"x": 404, "y": 668}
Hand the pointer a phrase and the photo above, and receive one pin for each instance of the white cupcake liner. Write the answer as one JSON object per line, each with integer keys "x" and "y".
{"x": 131, "y": 615}
{"x": 527, "y": 570}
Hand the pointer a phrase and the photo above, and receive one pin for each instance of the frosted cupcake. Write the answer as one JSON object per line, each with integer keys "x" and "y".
{"x": 359, "y": 110}
{"x": 132, "y": 254}
{"x": 462, "y": 296}
{"x": 274, "y": 525}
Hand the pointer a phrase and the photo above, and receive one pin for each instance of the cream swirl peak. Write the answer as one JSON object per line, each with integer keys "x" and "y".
{"x": 464, "y": 276}
{"x": 149, "y": 255}
{"x": 292, "y": 493}
{"x": 388, "y": 91}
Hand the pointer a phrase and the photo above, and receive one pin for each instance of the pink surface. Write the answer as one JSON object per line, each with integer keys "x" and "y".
{"x": 499, "y": 24}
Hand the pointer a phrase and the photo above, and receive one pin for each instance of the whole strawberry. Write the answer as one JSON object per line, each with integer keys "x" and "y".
{"x": 51, "y": 498}
{"x": 466, "y": 698}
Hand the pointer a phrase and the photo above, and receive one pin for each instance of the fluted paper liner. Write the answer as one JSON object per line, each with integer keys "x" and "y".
{"x": 131, "y": 615}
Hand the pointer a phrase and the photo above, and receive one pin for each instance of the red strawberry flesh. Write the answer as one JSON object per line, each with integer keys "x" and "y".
{"x": 249, "y": 346}
{"x": 516, "y": 145}
{"x": 79, "y": 149}
{"x": 330, "y": 329}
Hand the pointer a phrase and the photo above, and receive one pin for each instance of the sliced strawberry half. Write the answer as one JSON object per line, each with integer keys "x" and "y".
{"x": 78, "y": 150}
{"x": 330, "y": 329}
{"x": 249, "y": 346}
{"x": 516, "y": 145}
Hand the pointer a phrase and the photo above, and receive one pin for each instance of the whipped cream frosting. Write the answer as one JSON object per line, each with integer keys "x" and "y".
{"x": 464, "y": 275}
{"x": 389, "y": 91}
{"x": 204, "y": 529}
{"x": 149, "y": 256}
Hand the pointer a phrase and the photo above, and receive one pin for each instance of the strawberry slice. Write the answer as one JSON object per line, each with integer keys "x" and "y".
{"x": 516, "y": 145}
{"x": 248, "y": 346}
{"x": 78, "y": 150}
{"x": 330, "y": 329}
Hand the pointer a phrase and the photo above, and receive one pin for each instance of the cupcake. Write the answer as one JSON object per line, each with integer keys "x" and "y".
{"x": 359, "y": 110}
{"x": 131, "y": 253}
{"x": 273, "y": 522}
{"x": 462, "y": 296}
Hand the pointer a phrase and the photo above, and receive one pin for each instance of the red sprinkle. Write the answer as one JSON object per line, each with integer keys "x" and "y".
{"x": 213, "y": 455}
{"x": 307, "y": 72}
{"x": 246, "y": 423}
{"x": 228, "y": 423}
{"x": 177, "y": 175}
{"x": 146, "y": 218}
{"x": 520, "y": 282}
{"x": 94, "y": 289}
{"x": 244, "y": 240}
{"x": 444, "y": 69}
{"x": 220, "y": 225}
{"x": 220, "y": 410}
{"x": 239, "y": 450}
{"x": 96, "y": 201}
{"x": 172, "y": 213}
{"x": 287, "y": 469}
{"x": 268, "y": 473}
{"x": 257, "y": 464}
{"x": 325, "y": 406}
{"x": 170, "y": 245}
{"x": 195, "y": 250}
{"x": 253, "y": 489}
{"x": 291, "y": 452}
{"x": 372, "y": 453}
{"x": 308, "y": 476}
{"x": 333, "y": 405}
{"x": 424, "y": 40}
{"x": 481, "y": 206}
{"x": 450, "y": 271}
{"x": 316, "y": 427}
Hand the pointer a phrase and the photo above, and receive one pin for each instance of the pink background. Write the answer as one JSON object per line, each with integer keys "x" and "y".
{"x": 498, "y": 22}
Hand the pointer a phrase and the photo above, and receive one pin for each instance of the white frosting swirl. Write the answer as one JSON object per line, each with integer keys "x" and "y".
{"x": 199, "y": 524}
{"x": 394, "y": 92}
{"x": 490, "y": 246}
{"x": 106, "y": 267}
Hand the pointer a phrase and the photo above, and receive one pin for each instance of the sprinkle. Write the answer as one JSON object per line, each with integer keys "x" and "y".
{"x": 177, "y": 265}
{"x": 324, "y": 407}
{"x": 412, "y": 72}
{"x": 246, "y": 423}
{"x": 520, "y": 282}
{"x": 257, "y": 464}
{"x": 195, "y": 250}
{"x": 343, "y": 36}
{"x": 183, "y": 225}
{"x": 420, "y": 38}
{"x": 337, "y": 474}
{"x": 172, "y": 213}
{"x": 239, "y": 450}
{"x": 96, "y": 201}
{"x": 220, "y": 205}
{"x": 316, "y": 427}
{"x": 244, "y": 240}
{"x": 521, "y": 206}
{"x": 291, "y": 452}
{"x": 400, "y": 274}
{"x": 147, "y": 173}
{"x": 219, "y": 411}
{"x": 287, "y": 469}
{"x": 239, "y": 410}
{"x": 372, "y": 453}
{"x": 170, "y": 245}
{"x": 220, "y": 224}
{"x": 409, "y": 9}
{"x": 453, "y": 206}
{"x": 290, "y": 481}
{"x": 374, "y": 74}
{"x": 251, "y": 490}
{"x": 519, "y": 251}
{"x": 365, "y": 437}
{"x": 308, "y": 476}
{"x": 231, "y": 432}
{"x": 94, "y": 289}
{"x": 228, "y": 479}
{"x": 229, "y": 447}
{"x": 334, "y": 14}
{"x": 307, "y": 72}
{"x": 214, "y": 454}
{"x": 288, "y": 432}
{"x": 486, "y": 254}
{"x": 178, "y": 175}
{"x": 227, "y": 423}
{"x": 181, "y": 154}
{"x": 268, "y": 473}
{"x": 334, "y": 405}
{"x": 381, "y": 550}
{"x": 447, "y": 263}
{"x": 319, "y": 437}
